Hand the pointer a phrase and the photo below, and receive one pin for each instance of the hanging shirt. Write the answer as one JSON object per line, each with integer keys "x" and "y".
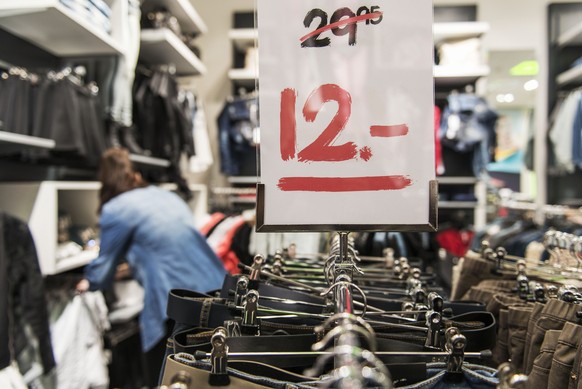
{"x": 561, "y": 133}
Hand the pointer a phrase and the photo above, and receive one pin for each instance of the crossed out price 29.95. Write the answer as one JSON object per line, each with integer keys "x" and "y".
{"x": 343, "y": 21}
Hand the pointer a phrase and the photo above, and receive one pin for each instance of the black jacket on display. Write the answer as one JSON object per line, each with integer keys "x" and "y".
{"x": 23, "y": 298}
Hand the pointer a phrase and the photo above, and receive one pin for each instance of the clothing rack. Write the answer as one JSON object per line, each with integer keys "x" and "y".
{"x": 343, "y": 349}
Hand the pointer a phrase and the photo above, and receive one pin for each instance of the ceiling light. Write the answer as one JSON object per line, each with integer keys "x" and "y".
{"x": 505, "y": 98}
{"x": 531, "y": 85}
{"x": 525, "y": 68}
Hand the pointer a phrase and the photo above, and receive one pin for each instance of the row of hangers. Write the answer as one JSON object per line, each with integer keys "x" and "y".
{"x": 348, "y": 318}
{"x": 565, "y": 260}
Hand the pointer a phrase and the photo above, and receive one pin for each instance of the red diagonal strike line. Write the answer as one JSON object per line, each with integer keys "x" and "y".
{"x": 343, "y": 184}
{"x": 388, "y": 131}
{"x": 343, "y": 22}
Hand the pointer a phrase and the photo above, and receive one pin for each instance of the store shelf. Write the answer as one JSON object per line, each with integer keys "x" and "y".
{"x": 571, "y": 37}
{"x": 458, "y": 204}
{"x": 246, "y": 37}
{"x": 443, "y": 75}
{"x": 149, "y": 161}
{"x": 11, "y": 142}
{"x": 242, "y": 180}
{"x": 457, "y": 180}
{"x": 55, "y": 28}
{"x": 39, "y": 204}
{"x": 242, "y": 200}
{"x": 163, "y": 47}
{"x": 458, "y": 30}
{"x": 188, "y": 18}
{"x": 458, "y": 75}
{"x": 243, "y": 38}
{"x": 245, "y": 77}
{"x": 570, "y": 76}
{"x": 75, "y": 261}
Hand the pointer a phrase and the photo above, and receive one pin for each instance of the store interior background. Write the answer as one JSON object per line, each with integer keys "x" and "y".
{"x": 518, "y": 31}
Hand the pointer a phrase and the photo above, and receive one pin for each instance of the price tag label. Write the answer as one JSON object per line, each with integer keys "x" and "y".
{"x": 346, "y": 110}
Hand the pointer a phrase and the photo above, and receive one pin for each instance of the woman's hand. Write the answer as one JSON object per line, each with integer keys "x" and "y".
{"x": 122, "y": 272}
{"x": 82, "y": 286}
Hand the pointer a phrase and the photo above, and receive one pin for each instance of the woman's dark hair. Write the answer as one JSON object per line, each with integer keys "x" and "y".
{"x": 117, "y": 175}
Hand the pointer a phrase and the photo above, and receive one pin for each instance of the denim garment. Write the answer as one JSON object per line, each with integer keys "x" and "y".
{"x": 236, "y": 134}
{"x": 577, "y": 135}
{"x": 468, "y": 125}
{"x": 474, "y": 377}
{"x": 154, "y": 230}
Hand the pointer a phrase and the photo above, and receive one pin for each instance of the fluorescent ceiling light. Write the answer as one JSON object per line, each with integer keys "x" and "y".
{"x": 525, "y": 68}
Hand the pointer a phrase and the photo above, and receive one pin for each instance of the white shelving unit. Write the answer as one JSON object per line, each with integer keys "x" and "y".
{"x": 188, "y": 17}
{"x": 55, "y": 28}
{"x": 458, "y": 30}
{"x": 38, "y": 203}
{"x": 571, "y": 37}
{"x": 163, "y": 47}
{"x": 458, "y": 75}
{"x": 570, "y": 76}
{"x": 244, "y": 38}
{"x": 479, "y": 206}
{"x": 246, "y": 77}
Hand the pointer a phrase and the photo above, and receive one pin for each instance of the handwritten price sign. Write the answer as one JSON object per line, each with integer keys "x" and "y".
{"x": 346, "y": 107}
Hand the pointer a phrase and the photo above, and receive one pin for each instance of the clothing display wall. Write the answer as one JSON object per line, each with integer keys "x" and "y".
{"x": 57, "y": 106}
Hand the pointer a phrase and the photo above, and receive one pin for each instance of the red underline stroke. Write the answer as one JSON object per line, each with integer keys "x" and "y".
{"x": 343, "y": 184}
{"x": 388, "y": 131}
{"x": 340, "y": 23}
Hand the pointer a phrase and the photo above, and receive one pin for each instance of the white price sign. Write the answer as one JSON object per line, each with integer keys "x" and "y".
{"x": 347, "y": 115}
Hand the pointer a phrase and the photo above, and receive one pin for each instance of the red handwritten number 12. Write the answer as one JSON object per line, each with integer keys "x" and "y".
{"x": 321, "y": 149}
